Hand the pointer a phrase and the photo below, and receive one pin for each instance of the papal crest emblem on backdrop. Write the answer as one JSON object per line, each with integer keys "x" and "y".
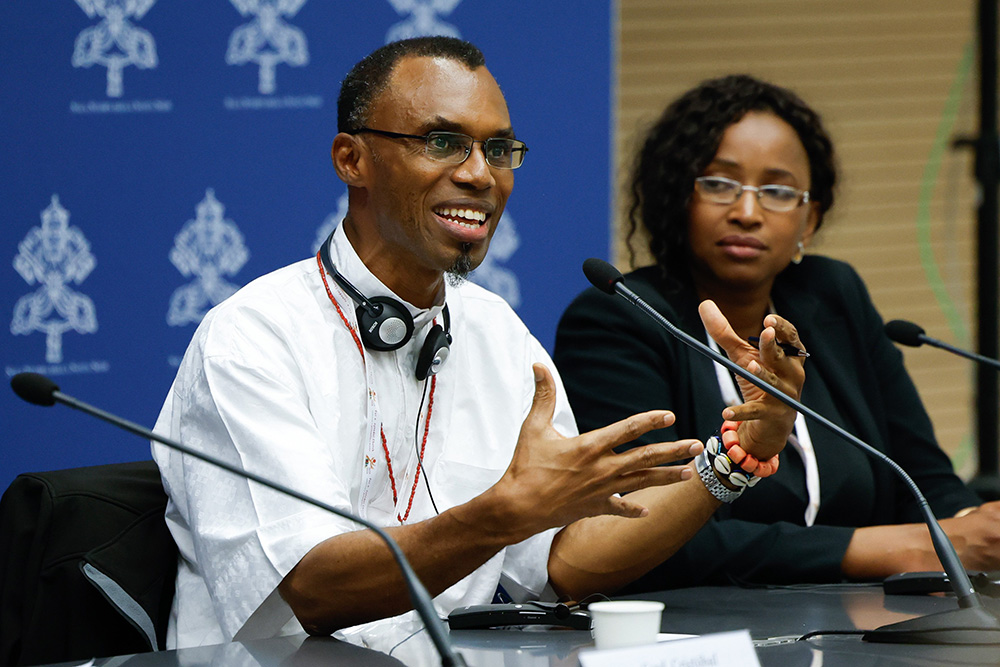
{"x": 208, "y": 248}
{"x": 54, "y": 256}
{"x": 424, "y": 19}
{"x": 115, "y": 42}
{"x": 268, "y": 40}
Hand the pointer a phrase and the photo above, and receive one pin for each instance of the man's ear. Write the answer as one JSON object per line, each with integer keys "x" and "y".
{"x": 349, "y": 158}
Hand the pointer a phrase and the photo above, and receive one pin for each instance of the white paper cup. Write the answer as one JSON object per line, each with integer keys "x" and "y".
{"x": 618, "y": 623}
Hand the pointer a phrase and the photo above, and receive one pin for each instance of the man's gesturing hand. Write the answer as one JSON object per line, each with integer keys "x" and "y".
{"x": 553, "y": 480}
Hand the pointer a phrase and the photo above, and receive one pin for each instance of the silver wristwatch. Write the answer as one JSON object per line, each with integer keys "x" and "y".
{"x": 706, "y": 471}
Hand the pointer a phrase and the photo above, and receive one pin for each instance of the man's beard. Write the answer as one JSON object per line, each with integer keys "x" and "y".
{"x": 461, "y": 268}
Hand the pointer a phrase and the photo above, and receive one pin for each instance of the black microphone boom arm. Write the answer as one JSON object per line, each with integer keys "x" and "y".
{"x": 40, "y": 390}
{"x": 908, "y": 333}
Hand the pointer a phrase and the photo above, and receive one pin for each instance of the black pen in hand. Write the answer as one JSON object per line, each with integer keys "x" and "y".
{"x": 787, "y": 348}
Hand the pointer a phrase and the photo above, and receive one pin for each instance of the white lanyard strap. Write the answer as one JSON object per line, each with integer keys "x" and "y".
{"x": 801, "y": 441}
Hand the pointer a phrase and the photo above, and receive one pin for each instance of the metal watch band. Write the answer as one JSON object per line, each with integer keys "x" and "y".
{"x": 707, "y": 473}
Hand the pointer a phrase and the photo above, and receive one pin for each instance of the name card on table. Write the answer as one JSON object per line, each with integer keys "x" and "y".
{"x": 723, "y": 649}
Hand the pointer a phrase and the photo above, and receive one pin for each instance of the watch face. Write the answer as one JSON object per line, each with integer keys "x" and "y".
{"x": 701, "y": 462}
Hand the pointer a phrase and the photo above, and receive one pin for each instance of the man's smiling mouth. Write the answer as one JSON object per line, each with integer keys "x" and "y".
{"x": 464, "y": 217}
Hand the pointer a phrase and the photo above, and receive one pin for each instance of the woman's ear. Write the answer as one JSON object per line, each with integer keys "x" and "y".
{"x": 812, "y": 222}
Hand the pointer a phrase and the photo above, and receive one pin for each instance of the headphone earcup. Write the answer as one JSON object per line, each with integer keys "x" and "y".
{"x": 389, "y": 330}
{"x": 433, "y": 352}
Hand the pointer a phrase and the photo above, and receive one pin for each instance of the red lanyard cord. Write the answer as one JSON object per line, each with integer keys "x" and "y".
{"x": 385, "y": 446}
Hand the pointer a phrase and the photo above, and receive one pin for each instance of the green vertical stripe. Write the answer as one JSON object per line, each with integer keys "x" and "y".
{"x": 925, "y": 247}
{"x": 933, "y": 167}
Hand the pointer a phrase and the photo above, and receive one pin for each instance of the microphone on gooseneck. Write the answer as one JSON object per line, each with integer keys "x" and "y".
{"x": 908, "y": 333}
{"x": 40, "y": 390}
{"x": 34, "y": 388}
{"x": 971, "y": 623}
{"x": 905, "y": 333}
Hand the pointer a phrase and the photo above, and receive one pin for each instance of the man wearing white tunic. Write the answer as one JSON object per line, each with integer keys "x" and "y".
{"x": 474, "y": 470}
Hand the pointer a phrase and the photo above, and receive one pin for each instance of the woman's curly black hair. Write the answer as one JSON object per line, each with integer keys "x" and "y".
{"x": 683, "y": 143}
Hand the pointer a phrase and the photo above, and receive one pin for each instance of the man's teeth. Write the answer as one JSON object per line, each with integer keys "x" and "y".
{"x": 457, "y": 215}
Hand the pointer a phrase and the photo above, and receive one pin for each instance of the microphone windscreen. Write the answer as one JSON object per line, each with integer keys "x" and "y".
{"x": 34, "y": 388}
{"x": 904, "y": 333}
{"x": 602, "y": 275}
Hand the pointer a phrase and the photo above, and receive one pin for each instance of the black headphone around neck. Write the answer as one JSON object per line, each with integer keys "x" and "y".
{"x": 385, "y": 324}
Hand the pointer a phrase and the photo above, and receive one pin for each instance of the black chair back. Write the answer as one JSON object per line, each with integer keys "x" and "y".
{"x": 87, "y": 565}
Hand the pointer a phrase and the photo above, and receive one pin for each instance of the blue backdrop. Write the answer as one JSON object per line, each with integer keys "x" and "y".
{"x": 158, "y": 154}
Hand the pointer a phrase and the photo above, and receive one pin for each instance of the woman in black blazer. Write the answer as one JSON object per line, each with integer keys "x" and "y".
{"x": 730, "y": 187}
